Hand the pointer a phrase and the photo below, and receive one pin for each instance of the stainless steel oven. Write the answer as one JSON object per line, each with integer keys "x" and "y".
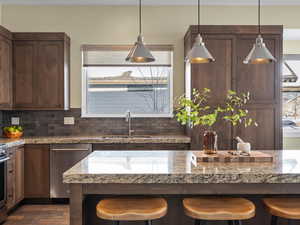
{"x": 3, "y": 178}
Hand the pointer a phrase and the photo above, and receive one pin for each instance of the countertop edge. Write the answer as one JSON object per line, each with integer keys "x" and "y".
{"x": 163, "y": 139}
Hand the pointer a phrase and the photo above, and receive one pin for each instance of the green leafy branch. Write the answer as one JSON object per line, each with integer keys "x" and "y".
{"x": 197, "y": 112}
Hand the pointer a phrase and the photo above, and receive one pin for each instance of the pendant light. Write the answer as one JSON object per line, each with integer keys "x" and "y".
{"x": 199, "y": 53}
{"x": 259, "y": 54}
{"x": 139, "y": 53}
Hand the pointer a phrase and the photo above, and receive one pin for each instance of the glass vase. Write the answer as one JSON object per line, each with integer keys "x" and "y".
{"x": 210, "y": 142}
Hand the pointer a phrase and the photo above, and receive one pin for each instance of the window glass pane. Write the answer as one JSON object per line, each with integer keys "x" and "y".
{"x": 114, "y": 86}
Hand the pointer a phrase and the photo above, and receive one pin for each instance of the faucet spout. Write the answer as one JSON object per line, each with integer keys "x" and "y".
{"x": 128, "y": 119}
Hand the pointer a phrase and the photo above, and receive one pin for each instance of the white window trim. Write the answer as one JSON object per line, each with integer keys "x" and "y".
{"x": 84, "y": 113}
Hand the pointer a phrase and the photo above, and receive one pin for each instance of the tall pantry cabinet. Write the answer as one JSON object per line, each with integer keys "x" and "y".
{"x": 230, "y": 45}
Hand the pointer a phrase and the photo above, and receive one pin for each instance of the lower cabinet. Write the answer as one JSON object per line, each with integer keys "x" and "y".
{"x": 15, "y": 176}
{"x": 37, "y": 171}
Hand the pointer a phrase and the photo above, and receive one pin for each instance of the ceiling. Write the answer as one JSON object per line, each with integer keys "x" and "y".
{"x": 149, "y": 2}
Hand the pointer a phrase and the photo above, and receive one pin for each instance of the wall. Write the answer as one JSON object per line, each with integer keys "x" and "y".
{"x": 118, "y": 25}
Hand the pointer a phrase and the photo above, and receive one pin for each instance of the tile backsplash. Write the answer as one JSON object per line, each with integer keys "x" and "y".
{"x": 51, "y": 123}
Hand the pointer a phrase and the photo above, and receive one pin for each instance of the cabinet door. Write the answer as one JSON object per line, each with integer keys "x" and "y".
{"x": 263, "y": 83}
{"x": 24, "y": 70}
{"x": 216, "y": 76}
{"x": 50, "y": 75}
{"x": 10, "y": 193}
{"x": 37, "y": 171}
{"x": 261, "y": 80}
{"x": 5, "y": 73}
{"x": 19, "y": 174}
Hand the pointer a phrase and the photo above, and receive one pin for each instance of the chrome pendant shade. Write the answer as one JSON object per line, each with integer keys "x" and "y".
{"x": 199, "y": 53}
{"x": 139, "y": 53}
{"x": 259, "y": 54}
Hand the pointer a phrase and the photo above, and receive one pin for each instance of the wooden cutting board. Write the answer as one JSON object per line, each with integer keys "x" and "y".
{"x": 225, "y": 156}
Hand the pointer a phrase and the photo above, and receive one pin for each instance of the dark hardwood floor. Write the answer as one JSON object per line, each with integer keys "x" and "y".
{"x": 39, "y": 215}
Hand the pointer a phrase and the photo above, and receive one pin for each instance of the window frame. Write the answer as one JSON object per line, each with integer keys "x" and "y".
{"x": 85, "y": 114}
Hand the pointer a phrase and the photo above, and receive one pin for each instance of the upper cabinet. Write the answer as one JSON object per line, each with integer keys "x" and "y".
{"x": 230, "y": 45}
{"x": 6, "y": 95}
{"x": 41, "y": 63}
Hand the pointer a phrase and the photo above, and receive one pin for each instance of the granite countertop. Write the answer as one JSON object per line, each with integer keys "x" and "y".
{"x": 178, "y": 167}
{"x": 105, "y": 139}
{"x": 108, "y": 139}
{"x": 12, "y": 142}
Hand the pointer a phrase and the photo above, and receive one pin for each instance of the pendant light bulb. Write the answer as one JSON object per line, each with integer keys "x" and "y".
{"x": 139, "y": 53}
{"x": 199, "y": 53}
{"x": 259, "y": 53}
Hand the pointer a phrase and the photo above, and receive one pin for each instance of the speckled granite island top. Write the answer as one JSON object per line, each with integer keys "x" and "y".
{"x": 178, "y": 167}
{"x": 98, "y": 139}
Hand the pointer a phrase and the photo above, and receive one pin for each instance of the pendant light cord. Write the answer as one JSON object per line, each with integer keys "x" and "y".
{"x": 198, "y": 16}
{"x": 140, "y": 16}
{"x": 259, "y": 29}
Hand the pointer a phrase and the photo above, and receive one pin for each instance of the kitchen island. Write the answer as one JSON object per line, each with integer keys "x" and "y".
{"x": 174, "y": 174}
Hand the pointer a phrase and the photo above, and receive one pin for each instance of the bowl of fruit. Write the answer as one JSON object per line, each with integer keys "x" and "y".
{"x": 13, "y": 131}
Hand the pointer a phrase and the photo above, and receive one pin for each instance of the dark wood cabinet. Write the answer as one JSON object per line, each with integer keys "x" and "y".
{"x": 19, "y": 174}
{"x": 15, "y": 177}
{"x": 24, "y": 60}
{"x": 230, "y": 45}
{"x": 37, "y": 171}
{"x": 6, "y": 98}
{"x": 41, "y": 71}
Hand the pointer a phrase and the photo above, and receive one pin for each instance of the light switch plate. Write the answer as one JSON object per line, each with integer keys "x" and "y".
{"x": 15, "y": 120}
{"x": 69, "y": 121}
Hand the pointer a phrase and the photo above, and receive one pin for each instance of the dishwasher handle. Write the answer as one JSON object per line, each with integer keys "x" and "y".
{"x": 70, "y": 149}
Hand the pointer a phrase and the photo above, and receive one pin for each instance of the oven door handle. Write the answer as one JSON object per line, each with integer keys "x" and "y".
{"x": 3, "y": 160}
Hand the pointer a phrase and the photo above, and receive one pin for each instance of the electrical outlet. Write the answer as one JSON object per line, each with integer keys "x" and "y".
{"x": 69, "y": 121}
{"x": 15, "y": 120}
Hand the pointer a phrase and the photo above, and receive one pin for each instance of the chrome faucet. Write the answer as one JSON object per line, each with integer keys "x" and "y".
{"x": 128, "y": 119}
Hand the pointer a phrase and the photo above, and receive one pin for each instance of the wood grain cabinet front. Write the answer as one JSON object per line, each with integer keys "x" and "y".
{"x": 37, "y": 171}
{"x": 15, "y": 177}
{"x": 230, "y": 44}
{"x": 41, "y": 71}
{"x": 6, "y": 89}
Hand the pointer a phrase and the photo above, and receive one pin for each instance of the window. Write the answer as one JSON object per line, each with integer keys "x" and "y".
{"x": 111, "y": 86}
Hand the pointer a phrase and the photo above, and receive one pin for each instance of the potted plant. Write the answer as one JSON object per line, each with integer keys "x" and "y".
{"x": 196, "y": 111}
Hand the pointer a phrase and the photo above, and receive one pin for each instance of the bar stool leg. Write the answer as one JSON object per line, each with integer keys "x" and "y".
{"x": 289, "y": 222}
{"x": 238, "y": 222}
{"x": 116, "y": 222}
{"x": 274, "y": 220}
{"x": 148, "y": 222}
{"x": 230, "y": 222}
{"x": 200, "y": 222}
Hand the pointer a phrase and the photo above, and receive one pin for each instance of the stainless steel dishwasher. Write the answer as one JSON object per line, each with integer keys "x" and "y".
{"x": 62, "y": 158}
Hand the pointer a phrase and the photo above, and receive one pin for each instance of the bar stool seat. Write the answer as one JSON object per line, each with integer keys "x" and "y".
{"x": 131, "y": 209}
{"x": 219, "y": 208}
{"x": 288, "y": 208}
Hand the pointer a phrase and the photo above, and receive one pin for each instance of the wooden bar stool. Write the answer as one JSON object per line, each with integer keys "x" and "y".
{"x": 233, "y": 210}
{"x": 288, "y": 208}
{"x": 132, "y": 209}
